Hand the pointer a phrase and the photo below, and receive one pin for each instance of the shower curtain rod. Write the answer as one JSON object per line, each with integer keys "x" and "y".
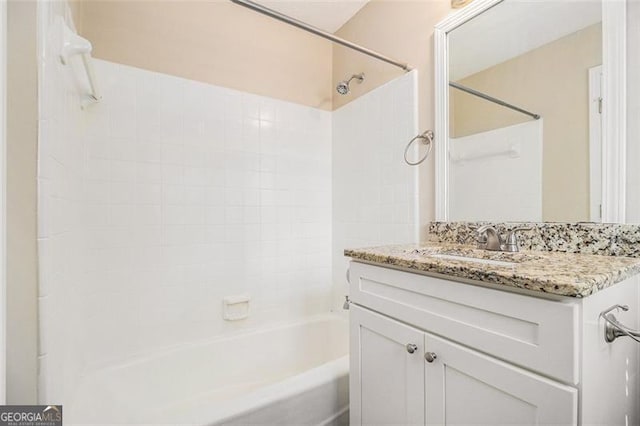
{"x": 317, "y": 31}
{"x": 492, "y": 99}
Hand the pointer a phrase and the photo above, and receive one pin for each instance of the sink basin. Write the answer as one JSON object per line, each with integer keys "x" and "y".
{"x": 473, "y": 259}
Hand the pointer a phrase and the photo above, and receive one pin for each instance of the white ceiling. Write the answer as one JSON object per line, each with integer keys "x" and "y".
{"x": 514, "y": 27}
{"x": 328, "y": 15}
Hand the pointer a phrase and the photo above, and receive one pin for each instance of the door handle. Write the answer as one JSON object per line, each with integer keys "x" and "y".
{"x": 411, "y": 348}
{"x": 430, "y": 356}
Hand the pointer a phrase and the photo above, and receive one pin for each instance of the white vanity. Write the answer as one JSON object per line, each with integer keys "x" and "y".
{"x": 429, "y": 346}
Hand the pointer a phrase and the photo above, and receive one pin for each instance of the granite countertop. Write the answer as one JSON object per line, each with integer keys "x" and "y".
{"x": 564, "y": 274}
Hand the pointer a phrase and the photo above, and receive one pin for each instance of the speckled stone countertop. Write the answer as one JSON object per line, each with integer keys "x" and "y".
{"x": 607, "y": 239}
{"x": 552, "y": 272}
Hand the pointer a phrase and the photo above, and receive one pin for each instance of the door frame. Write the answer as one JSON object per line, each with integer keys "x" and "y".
{"x": 595, "y": 143}
{"x": 614, "y": 114}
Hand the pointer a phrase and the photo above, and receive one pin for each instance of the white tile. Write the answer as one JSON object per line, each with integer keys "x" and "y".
{"x": 195, "y": 176}
{"x": 97, "y": 169}
{"x": 149, "y": 173}
{"x": 372, "y": 199}
{"x": 181, "y": 192}
{"x": 99, "y": 147}
{"x": 121, "y": 193}
{"x": 173, "y": 153}
{"x": 250, "y": 106}
{"x": 172, "y": 174}
{"x": 173, "y": 194}
{"x": 123, "y": 171}
{"x": 122, "y": 148}
{"x": 148, "y": 193}
{"x": 147, "y": 215}
{"x": 148, "y": 152}
{"x": 121, "y": 214}
{"x": 96, "y": 191}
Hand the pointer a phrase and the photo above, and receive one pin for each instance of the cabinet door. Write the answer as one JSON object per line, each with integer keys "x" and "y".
{"x": 465, "y": 387}
{"x": 386, "y": 380}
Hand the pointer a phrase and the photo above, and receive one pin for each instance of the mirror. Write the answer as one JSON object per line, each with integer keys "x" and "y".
{"x": 522, "y": 89}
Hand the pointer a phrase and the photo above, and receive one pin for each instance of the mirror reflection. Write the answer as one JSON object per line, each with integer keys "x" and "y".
{"x": 524, "y": 113}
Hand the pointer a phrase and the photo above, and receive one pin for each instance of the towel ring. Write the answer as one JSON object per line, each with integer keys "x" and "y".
{"x": 427, "y": 139}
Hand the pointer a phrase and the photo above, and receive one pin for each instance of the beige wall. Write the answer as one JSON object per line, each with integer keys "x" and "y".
{"x": 22, "y": 139}
{"x": 553, "y": 82}
{"x": 403, "y": 30}
{"x": 215, "y": 42}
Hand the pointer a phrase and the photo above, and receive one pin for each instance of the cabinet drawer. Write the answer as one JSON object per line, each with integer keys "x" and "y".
{"x": 541, "y": 335}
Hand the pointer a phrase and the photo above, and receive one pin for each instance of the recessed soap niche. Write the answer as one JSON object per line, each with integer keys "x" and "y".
{"x": 236, "y": 307}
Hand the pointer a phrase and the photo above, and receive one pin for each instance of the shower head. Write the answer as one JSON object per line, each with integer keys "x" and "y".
{"x": 343, "y": 87}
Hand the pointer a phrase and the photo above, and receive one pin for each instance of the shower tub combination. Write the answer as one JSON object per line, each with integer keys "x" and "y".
{"x": 293, "y": 374}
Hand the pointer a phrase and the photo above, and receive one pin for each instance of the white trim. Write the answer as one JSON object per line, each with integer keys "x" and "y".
{"x": 614, "y": 110}
{"x": 441, "y": 132}
{"x": 614, "y": 106}
{"x": 3, "y": 227}
{"x": 595, "y": 144}
{"x": 415, "y": 82}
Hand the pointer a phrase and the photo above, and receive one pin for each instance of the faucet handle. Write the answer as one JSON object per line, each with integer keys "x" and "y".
{"x": 520, "y": 228}
{"x": 511, "y": 242}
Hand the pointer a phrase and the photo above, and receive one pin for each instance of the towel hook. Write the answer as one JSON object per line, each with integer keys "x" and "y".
{"x": 427, "y": 139}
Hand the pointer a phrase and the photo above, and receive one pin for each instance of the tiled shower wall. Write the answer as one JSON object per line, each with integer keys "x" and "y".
{"x": 474, "y": 199}
{"x": 375, "y": 194}
{"x": 162, "y": 199}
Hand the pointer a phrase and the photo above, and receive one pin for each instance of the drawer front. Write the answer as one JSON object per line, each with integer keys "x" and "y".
{"x": 538, "y": 334}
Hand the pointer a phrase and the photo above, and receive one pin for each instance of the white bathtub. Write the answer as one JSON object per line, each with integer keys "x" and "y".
{"x": 294, "y": 374}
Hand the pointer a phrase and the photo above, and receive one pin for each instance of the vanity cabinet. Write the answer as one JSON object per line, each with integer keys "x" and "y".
{"x": 426, "y": 350}
{"x": 435, "y": 380}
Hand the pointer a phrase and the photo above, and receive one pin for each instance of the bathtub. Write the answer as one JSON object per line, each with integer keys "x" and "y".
{"x": 293, "y": 374}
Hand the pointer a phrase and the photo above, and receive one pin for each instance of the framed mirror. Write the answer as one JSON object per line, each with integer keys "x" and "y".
{"x": 530, "y": 112}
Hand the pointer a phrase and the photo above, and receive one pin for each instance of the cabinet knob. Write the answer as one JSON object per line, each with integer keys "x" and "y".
{"x": 411, "y": 348}
{"x": 430, "y": 356}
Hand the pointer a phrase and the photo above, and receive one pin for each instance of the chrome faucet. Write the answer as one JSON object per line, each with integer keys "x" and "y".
{"x": 490, "y": 239}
